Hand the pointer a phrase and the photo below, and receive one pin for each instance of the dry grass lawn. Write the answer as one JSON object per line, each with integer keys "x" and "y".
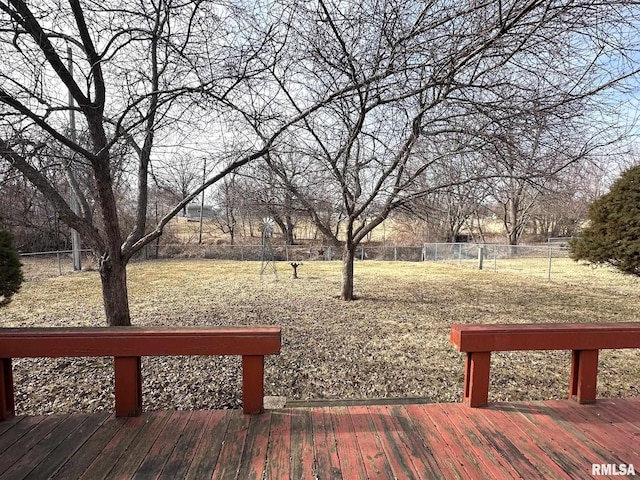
{"x": 391, "y": 342}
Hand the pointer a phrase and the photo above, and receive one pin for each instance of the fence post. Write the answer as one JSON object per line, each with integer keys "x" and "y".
{"x": 460, "y": 254}
{"x": 395, "y": 253}
{"x": 480, "y": 257}
{"x": 549, "y": 267}
{"x": 435, "y": 255}
{"x": 59, "y": 265}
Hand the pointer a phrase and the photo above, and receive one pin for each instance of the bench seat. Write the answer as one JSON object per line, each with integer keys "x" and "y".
{"x": 127, "y": 344}
{"x": 583, "y": 339}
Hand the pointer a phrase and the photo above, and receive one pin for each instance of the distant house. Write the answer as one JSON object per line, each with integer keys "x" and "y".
{"x": 193, "y": 212}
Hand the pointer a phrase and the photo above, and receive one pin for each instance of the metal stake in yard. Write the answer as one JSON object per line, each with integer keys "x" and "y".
{"x": 480, "y": 257}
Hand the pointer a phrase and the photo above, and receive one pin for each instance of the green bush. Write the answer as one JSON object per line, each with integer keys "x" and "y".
{"x": 10, "y": 268}
{"x": 612, "y": 235}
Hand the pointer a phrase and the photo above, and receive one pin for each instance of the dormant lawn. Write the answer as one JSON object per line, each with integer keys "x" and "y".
{"x": 392, "y": 342}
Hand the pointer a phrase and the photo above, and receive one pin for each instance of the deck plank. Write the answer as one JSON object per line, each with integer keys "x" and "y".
{"x": 553, "y": 439}
{"x": 542, "y": 429}
{"x": 253, "y": 461}
{"x": 301, "y": 444}
{"x": 324, "y": 446}
{"x": 44, "y": 447}
{"x": 75, "y": 439}
{"x": 163, "y": 446}
{"x": 185, "y": 448}
{"x": 497, "y": 436}
{"x": 351, "y": 462}
{"x": 17, "y": 428}
{"x": 12, "y": 422}
{"x": 134, "y": 455}
{"x": 279, "y": 451}
{"x": 232, "y": 447}
{"x": 76, "y": 465}
{"x": 20, "y": 447}
{"x": 373, "y": 455}
{"x": 421, "y": 455}
{"x": 463, "y": 461}
{"x": 529, "y": 445}
{"x": 131, "y": 429}
{"x": 400, "y": 461}
{"x": 613, "y": 442}
{"x": 206, "y": 457}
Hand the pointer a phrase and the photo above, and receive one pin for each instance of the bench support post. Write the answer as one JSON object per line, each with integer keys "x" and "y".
{"x": 252, "y": 383}
{"x": 584, "y": 375}
{"x": 476, "y": 379}
{"x": 128, "y": 386}
{"x": 7, "y": 408}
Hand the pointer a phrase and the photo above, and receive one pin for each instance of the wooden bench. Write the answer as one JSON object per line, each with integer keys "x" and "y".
{"x": 584, "y": 339}
{"x": 127, "y": 344}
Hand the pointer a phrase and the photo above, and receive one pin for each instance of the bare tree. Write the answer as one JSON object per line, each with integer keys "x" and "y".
{"x": 228, "y": 202}
{"x": 178, "y": 175}
{"x": 139, "y": 74}
{"x": 423, "y": 72}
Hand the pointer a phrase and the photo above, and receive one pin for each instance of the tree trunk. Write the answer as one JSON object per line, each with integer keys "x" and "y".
{"x": 348, "y": 255}
{"x": 114, "y": 292}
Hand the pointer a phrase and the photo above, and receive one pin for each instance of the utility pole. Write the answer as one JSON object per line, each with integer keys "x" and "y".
{"x": 204, "y": 179}
{"x": 73, "y": 200}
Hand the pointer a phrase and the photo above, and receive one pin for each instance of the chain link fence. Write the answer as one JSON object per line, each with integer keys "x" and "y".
{"x": 531, "y": 260}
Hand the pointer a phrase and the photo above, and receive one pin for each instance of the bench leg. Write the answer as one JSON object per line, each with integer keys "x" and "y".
{"x": 584, "y": 375}
{"x": 476, "y": 379}
{"x": 128, "y": 386}
{"x": 253, "y": 383}
{"x": 7, "y": 408}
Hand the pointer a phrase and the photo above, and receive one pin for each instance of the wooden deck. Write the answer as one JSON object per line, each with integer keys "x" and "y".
{"x": 554, "y": 439}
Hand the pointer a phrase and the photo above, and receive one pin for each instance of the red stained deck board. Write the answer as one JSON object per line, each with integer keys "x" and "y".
{"x": 12, "y": 422}
{"x": 206, "y": 456}
{"x": 301, "y": 443}
{"x": 324, "y": 445}
{"x": 27, "y": 441}
{"x": 529, "y": 445}
{"x": 185, "y": 447}
{"x": 373, "y": 455}
{"x": 45, "y": 445}
{"x": 351, "y": 463}
{"x": 450, "y": 466}
{"x": 623, "y": 414}
{"x": 616, "y": 446}
{"x": 400, "y": 460}
{"x": 572, "y": 433}
{"x": 110, "y": 455}
{"x": 17, "y": 428}
{"x": 421, "y": 455}
{"x": 497, "y": 434}
{"x": 90, "y": 450}
{"x": 439, "y": 431}
{"x": 74, "y": 440}
{"x": 542, "y": 427}
{"x": 279, "y": 450}
{"x": 135, "y": 454}
{"x": 255, "y": 447}
{"x": 163, "y": 446}
{"x": 556, "y": 439}
{"x": 232, "y": 450}
{"x": 492, "y": 454}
